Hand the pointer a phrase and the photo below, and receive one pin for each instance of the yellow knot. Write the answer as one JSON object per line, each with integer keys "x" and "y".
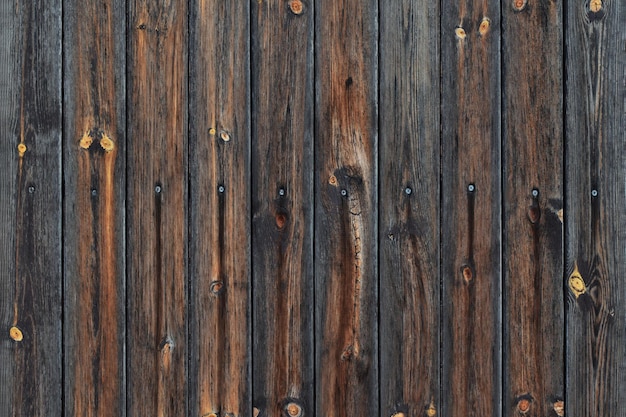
{"x": 559, "y": 408}
{"x": 21, "y": 149}
{"x": 576, "y": 283}
{"x": 212, "y": 131}
{"x": 86, "y": 141}
{"x": 431, "y": 412}
{"x": 16, "y": 334}
{"x": 484, "y": 26}
{"x": 460, "y": 33}
{"x": 296, "y": 6}
{"x": 225, "y": 136}
{"x": 595, "y": 5}
{"x": 107, "y": 144}
{"x": 294, "y": 410}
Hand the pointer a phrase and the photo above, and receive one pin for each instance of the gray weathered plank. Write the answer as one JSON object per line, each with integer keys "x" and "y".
{"x": 30, "y": 209}
{"x": 282, "y": 209}
{"x": 220, "y": 209}
{"x": 471, "y": 220}
{"x": 594, "y": 209}
{"x": 409, "y": 208}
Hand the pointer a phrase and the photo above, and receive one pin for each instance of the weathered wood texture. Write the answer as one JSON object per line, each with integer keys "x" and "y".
{"x": 409, "y": 208}
{"x": 594, "y": 212}
{"x": 282, "y": 213}
{"x": 157, "y": 208}
{"x": 30, "y": 209}
{"x": 346, "y": 208}
{"x": 533, "y": 195}
{"x": 220, "y": 209}
{"x": 95, "y": 193}
{"x": 471, "y": 219}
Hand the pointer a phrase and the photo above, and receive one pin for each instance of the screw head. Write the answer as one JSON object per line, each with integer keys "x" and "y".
{"x": 408, "y": 191}
{"x": 157, "y": 189}
{"x": 594, "y": 193}
{"x": 344, "y": 193}
{"x": 471, "y": 188}
{"x": 535, "y": 192}
{"x": 221, "y": 189}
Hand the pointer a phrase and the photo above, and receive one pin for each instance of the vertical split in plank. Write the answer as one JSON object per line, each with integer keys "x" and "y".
{"x": 282, "y": 196}
{"x": 30, "y": 209}
{"x": 471, "y": 221}
{"x": 95, "y": 194}
{"x": 533, "y": 198}
{"x": 157, "y": 208}
{"x": 594, "y": 209}
{"x": 409, "y": 208}
{"x": 346, "y": 208}
{"x": 220, "y": 209}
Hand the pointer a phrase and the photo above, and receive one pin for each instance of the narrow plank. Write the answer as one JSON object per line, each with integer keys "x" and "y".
{"x": 533, "y": 309}
{"x": 346, "y": 208}
{"x": 30, "y": 209}
{"x": 220, "y": 209}
{"x": 471, "y": 220}
{"x": 95, "y": 194}
{"x": 594, "y": 209}
{"x": 409, "y": 208}
{"x": 282, "y": 196}
{"x": 157, "y": 208}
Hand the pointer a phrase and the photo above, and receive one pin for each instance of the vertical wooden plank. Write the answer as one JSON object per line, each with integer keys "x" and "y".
{"x": 30, "y": 209}
{"x": 346, "y": 208}
{"x": 533, "y": 195}
{"x": 409, "y": 208}
{"x": 95, "y": 190}
{"x": 471, "y": 220}
{"x": 220, "y": 209}
{"x": 157, "y": 208}
{"x": 594, "y": 209}
{"x": 282, "y": 196}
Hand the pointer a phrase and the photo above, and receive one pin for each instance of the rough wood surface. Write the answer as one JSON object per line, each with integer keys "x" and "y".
{"x": 157, "y": 209}
{"x": 220, "y": 209}
{"x": 409, "y": 209}
{"x": 346, "y": 208}
{"x": 471, "y": 220}
{"x": 95, "y": 194}
{"x": 282, "y": 213}
{"x": 594, "y": 210}
{"x": 30, "y": 209}
{"x": 533, "y": 195}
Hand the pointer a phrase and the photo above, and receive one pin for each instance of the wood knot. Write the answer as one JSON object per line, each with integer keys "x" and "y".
{"x": 225, "y": 136}
{"x": 296, "y": 7}
{"x": 595, "y": 6}
{"x": 559, "y": 408}
{"x": 518, "y": 5}
{"x": 559, "y": 214}
{"x": 332, "y": 180}
{"x": 347, "y": 353}
{"x": 21, "y": 149}
{"x": 293, "y": 410}
{"x": 576, "y": 283}
{"x": 460, "y": 33}
{"x": 16, "y": 334}
{"x": 212, "y": 131}
{"x": 281, "y": 219}
{"x": 107, "y": 144}
{"x": 534, "y": 214}
{"x": 431, "y": 411}
{"x": 468, "y": 274}
{"x": 255, "y": 412}
{"x": 484, "y": 26}
{"x": 86, "y": 141}
{"x": 216, "y": 287}
{"x": 398, "y": 414}
{"x": 523, "y": 403}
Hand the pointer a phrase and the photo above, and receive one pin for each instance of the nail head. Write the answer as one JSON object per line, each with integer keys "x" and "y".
{"x": 281, "y": 192}
{"x": 221, "y": 189}
{"x": 471, "y": 188}
{"x": 594, "y": 193}
{"x": 31, "y": 189}
{"x": 408, "y": 191}
{"x": 535, "y": 192}
{"x": 157, "y": 189}
{"x": 344, "y": 192}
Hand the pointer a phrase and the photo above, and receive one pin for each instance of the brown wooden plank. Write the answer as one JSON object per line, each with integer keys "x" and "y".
{"x": 533, "y": 196}
{"x": 409, "y": 208}
{"x": 220, "y": 209}
{"x": 594, "y": 210}
{"x": 95, "y": 193}
{"x": 282, "y": 196}
{"x": 30, "y": 209}
{"x": 346, "y": 208}
{"x": 471, "y": 220}
{"x": 157, "y": 207}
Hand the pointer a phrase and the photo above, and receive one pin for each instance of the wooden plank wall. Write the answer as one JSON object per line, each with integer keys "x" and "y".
{"x": 313, "y": 207}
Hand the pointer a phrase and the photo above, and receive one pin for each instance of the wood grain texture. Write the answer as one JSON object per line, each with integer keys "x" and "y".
{"x": 594, "y": 209}
{"x": 157, "y": 209}
{"x": 30, "y": 209}
{"x": 533, "y": 195}
{"x": 220, "y": 209}
{"x": 409, "y": 208}
{"x": 282, "y": 209}
{"x": 346, "y": 266}
{"x": 95, "y": 194}
{"x": 471, "y": 220}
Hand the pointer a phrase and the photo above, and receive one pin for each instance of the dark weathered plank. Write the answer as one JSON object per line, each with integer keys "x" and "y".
{"x": 220, "y": 209}
{"x": 95, "y": 194}
{"x": 594, "y": 209}
{"x": 409, "y": 208}
{"x": 157, "y": 208}
{"x": 30, "y": 209}
{"x": 533, "y": 193}
{"x": 282, "y": 195}
{"x": 346, "y": 208}
{"x": 471, "y": 220}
